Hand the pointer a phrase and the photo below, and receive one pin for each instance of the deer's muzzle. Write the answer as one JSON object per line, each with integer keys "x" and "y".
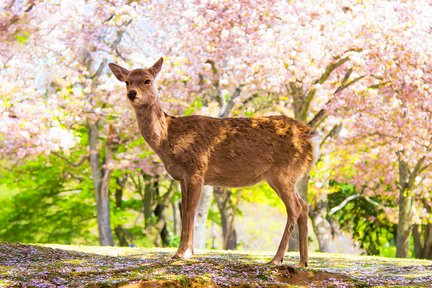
{"x": 132, "y": 94}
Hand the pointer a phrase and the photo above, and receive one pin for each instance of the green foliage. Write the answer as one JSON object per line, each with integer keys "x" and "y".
{"x": 197, "y": 104}
{"x": 46, "y": 200}
{"x": 174, "y": 241}
{"x": 46, "y": 207}
{"x": 262, "y": 193}
{"x": 367, "y": 222}
{"x": 22, "y": 36}
{"x": 214, "y": 215}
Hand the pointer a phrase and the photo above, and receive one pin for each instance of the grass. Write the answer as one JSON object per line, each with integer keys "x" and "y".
{"x": 85, "y": 266}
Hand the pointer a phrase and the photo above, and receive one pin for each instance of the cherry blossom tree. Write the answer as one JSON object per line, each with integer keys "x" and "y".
{"x": 57, "y": 91}
{"x": 392, "y": 118}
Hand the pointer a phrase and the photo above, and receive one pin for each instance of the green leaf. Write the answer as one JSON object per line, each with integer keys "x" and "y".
{"x": 195, "y": 106}
{"x": 22, "y": 36}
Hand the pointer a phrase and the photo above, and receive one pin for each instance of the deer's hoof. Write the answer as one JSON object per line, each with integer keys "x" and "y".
{"x": 176, "y": 257}
{"x": 183, "y": 255}
{"x": 275, "y": 261}
{"x": 301, "y": 265}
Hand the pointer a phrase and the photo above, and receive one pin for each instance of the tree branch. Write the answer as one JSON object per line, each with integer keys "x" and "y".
{"x": 216, "y": 85}
{"x": 415, "y": 172}
{"x": 350, "y": 198}
{"x": 373, "y": 202}
{"x": 168, "y": 195}
{"x": 335, "y": 130}
{"x": 250, "y": 98}
{"x": 307, "y": 101}
{"x": 215, "y": 71}
{"x": 330, "y": 68}
{"x": 424, "y": 168}
{"x": 99, "y": 70}
{"x": 7, "y": 60}
{"x": 137, "y": 184}
{"x": 347, "y": 75}
{"x": 344, "y": 86}
{"x": 79, "y": 163}
{"x": 343, "y": 203}
{"x": 228, "y": 107}
{"x": 318, "y": 118}
{"x": 113, "y": 47}
{"x": 379, "y": 85}
{"x": 322, "y": 114}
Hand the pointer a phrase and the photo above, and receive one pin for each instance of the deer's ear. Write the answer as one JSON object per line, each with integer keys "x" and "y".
{"x": 119, "y": 72}
{"x": 155, "y": 69}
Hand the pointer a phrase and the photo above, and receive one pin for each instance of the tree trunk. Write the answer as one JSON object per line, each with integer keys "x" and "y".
{"x": 124, "y": 237}
{"x": 422, "y": 245}
{"x": 118, "y": 194}
{"x": 200, "y": 233}
{"x": 418, "y": 247}
{"x": 104, "y": 211}
{"x": 321, "y": 226}
{"x": 101, "y": 178}
{"x": 176, "y": 217}
{"x": 148, "y": 199}
{"x": 161, "y": 226}
{"x": 404, "y": 226}
{"x": 230, "y": 238}
{"x": 154, "y": 210}
{"x": 427, "y": 248}
{"x": 223, "y": 201}
{"x": 405, "y": 212}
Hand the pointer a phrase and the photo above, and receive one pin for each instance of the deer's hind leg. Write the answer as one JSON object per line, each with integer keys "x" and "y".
{"x": 285, "y": 188}
{"x": 302, "y": 222}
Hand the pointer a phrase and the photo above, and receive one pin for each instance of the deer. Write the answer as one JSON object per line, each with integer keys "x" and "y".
{"x": 226, "y": 152}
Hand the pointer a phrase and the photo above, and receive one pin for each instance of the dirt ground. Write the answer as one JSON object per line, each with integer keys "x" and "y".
{"x": 84, "y": 266}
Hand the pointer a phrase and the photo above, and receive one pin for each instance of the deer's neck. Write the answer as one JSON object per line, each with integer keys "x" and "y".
{"x": 153, "y": 124}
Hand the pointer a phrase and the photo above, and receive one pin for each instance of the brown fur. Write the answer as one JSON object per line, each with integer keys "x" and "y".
{"x": 231, "y": 152}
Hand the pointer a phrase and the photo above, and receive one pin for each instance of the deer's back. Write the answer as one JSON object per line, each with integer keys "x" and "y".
{"x": 235, "y": 151}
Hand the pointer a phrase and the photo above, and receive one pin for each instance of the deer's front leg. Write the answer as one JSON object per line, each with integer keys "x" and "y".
{"x": 191, "y": 192}
{"x": 181, "y": 251}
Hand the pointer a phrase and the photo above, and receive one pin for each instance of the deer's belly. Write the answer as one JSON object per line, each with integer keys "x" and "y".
{"x": 232, "y": 177}
{"x": 231, "y": 182}
{"x": 225, "y": 172}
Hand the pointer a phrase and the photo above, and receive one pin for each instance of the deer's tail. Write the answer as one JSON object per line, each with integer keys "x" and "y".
{"x": 315, "y": 139}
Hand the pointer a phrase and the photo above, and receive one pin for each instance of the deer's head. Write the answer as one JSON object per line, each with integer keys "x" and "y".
{"x": 139, "y": 82}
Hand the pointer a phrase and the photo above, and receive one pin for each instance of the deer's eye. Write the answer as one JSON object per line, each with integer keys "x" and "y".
{"x": 147, "y": 81}
{"x": 127, "y": 83}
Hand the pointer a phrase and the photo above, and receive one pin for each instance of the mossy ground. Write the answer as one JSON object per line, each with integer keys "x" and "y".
{"x": 83, "y": 266}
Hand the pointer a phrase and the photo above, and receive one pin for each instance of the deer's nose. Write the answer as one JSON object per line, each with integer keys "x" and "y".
{"x": 132, "y": 94}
